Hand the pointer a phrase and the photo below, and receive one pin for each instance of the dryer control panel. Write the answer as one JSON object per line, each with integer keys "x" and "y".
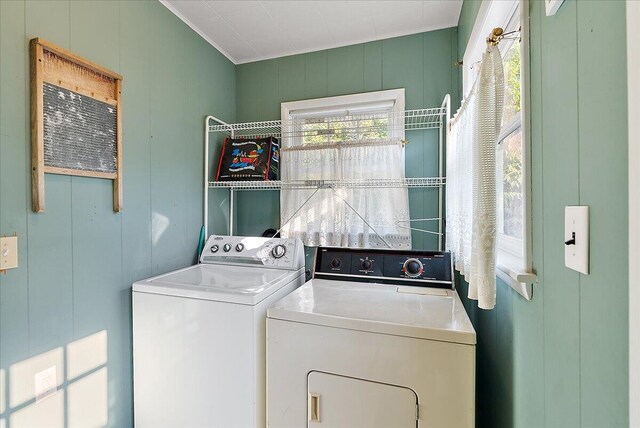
{"x": 424, "y": 268}
{"x": 245, "y": 250}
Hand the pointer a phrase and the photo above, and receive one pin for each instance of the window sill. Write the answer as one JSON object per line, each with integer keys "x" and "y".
{"x": 520, "y": 281}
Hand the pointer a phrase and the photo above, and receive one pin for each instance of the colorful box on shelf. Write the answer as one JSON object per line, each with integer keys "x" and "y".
{"x": 245, "y": 159}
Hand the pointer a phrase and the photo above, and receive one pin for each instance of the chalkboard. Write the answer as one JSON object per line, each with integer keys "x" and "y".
{"x": 79, "y": 131}
{"x": 76, "y": 117}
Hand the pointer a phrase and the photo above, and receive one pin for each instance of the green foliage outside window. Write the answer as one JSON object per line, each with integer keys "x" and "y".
{"x": 512, "y": 82}
{"x": 343, "y": 129}
{"x": 512, "y": 147}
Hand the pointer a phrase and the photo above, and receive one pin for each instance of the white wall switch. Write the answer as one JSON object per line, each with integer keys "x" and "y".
{"x": 46, "y": 383}
{"x": 8, "y": 252}
{"x": 576, "y": 239}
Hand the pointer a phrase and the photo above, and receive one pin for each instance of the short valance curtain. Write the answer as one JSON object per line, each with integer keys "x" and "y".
{"x": 345, "y": 217}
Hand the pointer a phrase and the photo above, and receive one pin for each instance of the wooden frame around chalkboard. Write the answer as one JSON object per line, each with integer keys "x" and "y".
{"x": 81, "y": 76}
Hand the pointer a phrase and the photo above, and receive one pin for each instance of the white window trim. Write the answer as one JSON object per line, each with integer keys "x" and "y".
{"x": 492, "y": 13}
{"x": 515, "y": 271}
{"x": 348, "y": 104}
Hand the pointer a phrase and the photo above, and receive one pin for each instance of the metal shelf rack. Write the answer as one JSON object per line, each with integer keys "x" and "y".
{"x": 329, "y": 184}
{"x": 427, "y": 118}
{"x": 351, "y": 127}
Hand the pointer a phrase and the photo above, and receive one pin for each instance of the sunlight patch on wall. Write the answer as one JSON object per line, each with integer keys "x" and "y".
{"x": 86, "y": 354}
{"x": 22, "y": 376}
{"x": 85, "y": 394}
{"x": 46, "y": 413}
{"x": 87, "y": 401}
{"x": 159, "y": 224}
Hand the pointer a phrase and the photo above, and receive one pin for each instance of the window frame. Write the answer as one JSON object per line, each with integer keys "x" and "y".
{"x": 330, "y": 105}
{"x": 356, "y": 104}
{"x": 513, "y": 269}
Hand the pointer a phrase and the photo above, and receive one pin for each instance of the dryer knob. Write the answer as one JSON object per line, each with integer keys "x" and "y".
{"x": 239, "y": 247}
{"x": 413, "y": 268}
{"x": 227, "y": 248}
{"x": 366, "y": 264}
{"x": 214, "y": 249}
{"x": 336, "y": 263}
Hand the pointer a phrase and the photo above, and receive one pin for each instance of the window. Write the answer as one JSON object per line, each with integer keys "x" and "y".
{"x": 321, "y": 128}
{"x": 510, "y": 210}
{"x": 512, "y": 179}
{"x": 331, "y": 119}
{"x": 345, "y": 138}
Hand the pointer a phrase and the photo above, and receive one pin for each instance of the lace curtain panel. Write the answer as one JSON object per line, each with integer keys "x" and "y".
{"x": 471, "y": 180}
{"x": 328, "y": 216}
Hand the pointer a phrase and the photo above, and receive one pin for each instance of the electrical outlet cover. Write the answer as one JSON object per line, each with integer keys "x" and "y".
{"x": 46, "y": 383}
{"x": 576, "y": 256}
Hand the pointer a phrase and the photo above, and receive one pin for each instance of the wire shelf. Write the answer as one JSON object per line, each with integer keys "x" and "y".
{"x": 345, "y": 127}
{"x": 329, "y": 184}
{"x": 308, "y": 129}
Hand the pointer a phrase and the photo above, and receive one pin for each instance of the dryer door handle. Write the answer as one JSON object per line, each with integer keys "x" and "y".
{"x": 314, "y": 407}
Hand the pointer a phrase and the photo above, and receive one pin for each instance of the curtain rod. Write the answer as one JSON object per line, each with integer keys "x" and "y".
{"x": 497, "y": 34}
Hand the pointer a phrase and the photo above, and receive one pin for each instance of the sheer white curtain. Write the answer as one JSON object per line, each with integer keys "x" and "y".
{"x": 328, "y": 216}
{"x": 471, "y": 180}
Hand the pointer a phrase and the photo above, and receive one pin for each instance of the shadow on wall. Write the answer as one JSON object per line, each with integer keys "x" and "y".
{"x": 71, "y": 384}
{"x": 495, "y": 367}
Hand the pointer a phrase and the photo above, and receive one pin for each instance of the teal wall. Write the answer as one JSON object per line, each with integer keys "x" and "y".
{"x": 558, "y": 361}
{"x": 561, "y": 360}
{"x": 79, "y": 258}
{"x": 421, "y": 63}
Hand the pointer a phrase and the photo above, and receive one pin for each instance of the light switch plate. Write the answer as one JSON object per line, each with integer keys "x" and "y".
{"x": 8, "y": 252}
{"x": 576, "y": 226}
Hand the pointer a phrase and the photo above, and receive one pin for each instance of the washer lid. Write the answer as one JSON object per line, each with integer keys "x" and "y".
{"x": 420, "y": 312}
{"x": 245, "y": 285}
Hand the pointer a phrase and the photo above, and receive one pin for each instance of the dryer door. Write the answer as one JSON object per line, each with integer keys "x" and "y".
{"x": 344, "y": 402}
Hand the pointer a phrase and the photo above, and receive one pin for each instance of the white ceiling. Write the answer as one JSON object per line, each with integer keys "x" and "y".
{"x": 246, "y": 31}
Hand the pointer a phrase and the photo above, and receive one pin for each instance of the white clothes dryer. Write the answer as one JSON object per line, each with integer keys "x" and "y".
{"x": 377, "y": 339}
{"x": 199, "y": 334}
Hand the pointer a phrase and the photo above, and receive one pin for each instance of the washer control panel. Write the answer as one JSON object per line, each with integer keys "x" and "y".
{"x": 269, "y": 252}
{"x": 427, "y": 268}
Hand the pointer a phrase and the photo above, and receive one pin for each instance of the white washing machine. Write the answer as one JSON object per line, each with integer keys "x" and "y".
{"x": 199, "y": 334}
{"x": 377, "y": 339}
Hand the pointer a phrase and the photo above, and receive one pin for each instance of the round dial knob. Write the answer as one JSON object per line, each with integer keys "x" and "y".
{"x": 227, "y": 248}
{"x": 366, "y": 264}
{"x": 214, "y": 249}
{"x": 413, "y": 268}
{"x": 279, "y": 251}
{"x": 336, "y": 263}
{"x": 239, "y": 247}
